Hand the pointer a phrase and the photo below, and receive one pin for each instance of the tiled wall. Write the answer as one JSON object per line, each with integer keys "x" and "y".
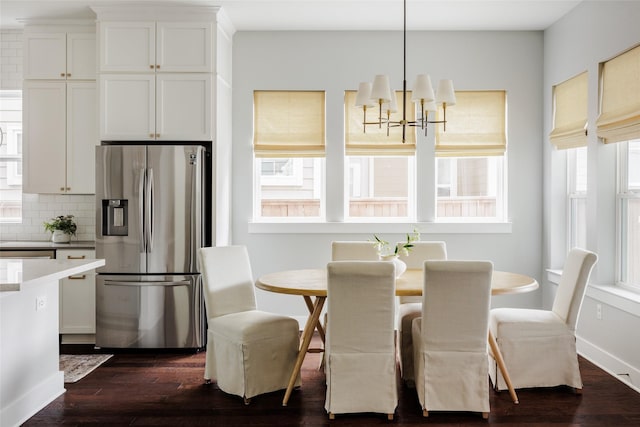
{"x": 38, "y": 208}
{"x": 11, "y": 59}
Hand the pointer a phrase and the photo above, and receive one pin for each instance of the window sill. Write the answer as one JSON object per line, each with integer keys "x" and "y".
{"x": 317, "y": 227}
{"x": 614, "y": 296}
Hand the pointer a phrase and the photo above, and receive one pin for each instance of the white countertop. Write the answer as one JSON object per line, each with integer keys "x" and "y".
{"x": 15, "y": 273}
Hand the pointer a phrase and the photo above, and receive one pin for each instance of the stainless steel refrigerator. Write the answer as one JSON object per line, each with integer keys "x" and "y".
{"x": 153, "y": 211}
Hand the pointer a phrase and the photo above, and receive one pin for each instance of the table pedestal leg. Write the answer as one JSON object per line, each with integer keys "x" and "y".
{"x": 307, "y": 334}
{"x": 503, "y": 368}
{"x": 319, "y": 326}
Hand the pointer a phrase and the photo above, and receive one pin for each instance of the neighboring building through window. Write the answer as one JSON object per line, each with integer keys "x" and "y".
{"x": 10, "y": 156}
{"x": 469, "y": 187}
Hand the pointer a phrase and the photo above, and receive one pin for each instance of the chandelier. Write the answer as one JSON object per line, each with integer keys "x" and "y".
{"x": 380, "y": 94}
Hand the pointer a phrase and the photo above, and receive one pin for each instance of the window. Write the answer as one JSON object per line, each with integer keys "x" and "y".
{"x": 577, "y": 195}
{"x": 10, "y": 156}
{"x": 619, "y": 122}
{"x": 470, "y": 158}
{"x": 629, "y": 214}
{"x": 289, "y": 154}
{"x": 468, "y": 187}
{"x": 380, "y": 187}
{"x": 380, "y": 168}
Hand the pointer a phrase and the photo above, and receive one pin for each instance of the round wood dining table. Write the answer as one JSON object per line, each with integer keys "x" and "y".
{"x": 311, "y": 284}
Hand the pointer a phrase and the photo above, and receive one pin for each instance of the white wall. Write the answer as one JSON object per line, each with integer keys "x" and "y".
{"x": 338, "y": 61}
{"x": 592, "y": 33}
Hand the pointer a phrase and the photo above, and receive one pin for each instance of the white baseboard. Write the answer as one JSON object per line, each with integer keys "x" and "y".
{"x": 609, "y": 363}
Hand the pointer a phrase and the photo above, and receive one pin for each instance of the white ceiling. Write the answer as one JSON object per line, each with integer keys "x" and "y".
{"x": 256, "y": 15}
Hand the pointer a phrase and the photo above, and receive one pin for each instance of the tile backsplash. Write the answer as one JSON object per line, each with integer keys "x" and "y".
{"x": 38, "y": 208}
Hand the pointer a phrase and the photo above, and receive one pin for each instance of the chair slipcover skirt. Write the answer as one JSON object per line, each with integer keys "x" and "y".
{"x": 537, "y": 347}
{"x": 254, "y": 351}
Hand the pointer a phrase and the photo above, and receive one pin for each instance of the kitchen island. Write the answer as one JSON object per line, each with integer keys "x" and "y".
{"x": 29, "y": 350}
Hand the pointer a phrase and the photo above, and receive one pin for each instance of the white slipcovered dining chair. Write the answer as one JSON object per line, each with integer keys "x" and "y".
{"x": 450, "y": 339}
{"x": 539, "y": 346}
{"x": 411, "y": 307}
{"x": 249, "y": 352}
{"x": 360, "y": 348}
{"x": 346, "y": 250}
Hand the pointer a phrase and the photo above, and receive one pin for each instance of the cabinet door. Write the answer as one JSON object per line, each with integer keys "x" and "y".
{"x": 127, "y": 107}
{"x": 77, "y": 296}
{"x": 127, "y": 46}
{"x": 184, "y": 47}
{"x": 45, "y": 55}
{"x": 81, "y": 56}
{"x": 82, "y": 136}
{"x": 44, "y": 117}
{"x": 183, "y": 110}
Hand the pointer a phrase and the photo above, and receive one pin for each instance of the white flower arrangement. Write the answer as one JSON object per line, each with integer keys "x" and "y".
{"x": 384, "y": 249}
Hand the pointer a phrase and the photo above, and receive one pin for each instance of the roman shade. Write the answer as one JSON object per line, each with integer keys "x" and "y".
{"x": 619, "y": 118}
{"x": 289, "y": 123}
{"x": 570, "y": 113}
{"x": 476, "y": 125}
{"x": 375, "y": 142}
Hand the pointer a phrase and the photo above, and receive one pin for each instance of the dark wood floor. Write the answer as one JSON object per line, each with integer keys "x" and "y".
{"x": 167, "y": 389}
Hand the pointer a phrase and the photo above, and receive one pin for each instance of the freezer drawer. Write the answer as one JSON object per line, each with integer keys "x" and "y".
{"x": 150, "y": 311}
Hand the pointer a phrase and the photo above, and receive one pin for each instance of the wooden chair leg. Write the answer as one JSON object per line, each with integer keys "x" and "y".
{"x": 425, "y": 413}
{"x": 390, "y": 417}
{"x": 332, "y": 416}
{"x": 485, "y": 415}
{"x": 577, "y": 390}
{"x": 247, "y": 400}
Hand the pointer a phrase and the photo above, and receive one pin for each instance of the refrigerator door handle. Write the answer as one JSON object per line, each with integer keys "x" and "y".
{"x": 155, "y": 283}
{"x": 149, "y": 208}
{"x": 141, "y": 185}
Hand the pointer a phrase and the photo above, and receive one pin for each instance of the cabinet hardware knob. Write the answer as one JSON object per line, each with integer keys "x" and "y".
{"x": 68, "y": 74}
{"x": 157, "y": 135}
{"x": 77, "y": 277}
{"x": 157, "y": 66}
{"x": 151, "y": 66}
{"x": 75, "y": 257}
{"x": 61, "y": 74}
{"x": 61, "y": 188}
{"x": 68, "y": 188}
{"x": 150, "y": 135}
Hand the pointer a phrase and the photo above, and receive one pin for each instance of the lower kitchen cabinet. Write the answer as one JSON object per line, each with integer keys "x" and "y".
{"x": 78, "y": 301}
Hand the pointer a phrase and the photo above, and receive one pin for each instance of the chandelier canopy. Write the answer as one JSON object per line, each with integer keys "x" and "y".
{"x": 379, "y": 94}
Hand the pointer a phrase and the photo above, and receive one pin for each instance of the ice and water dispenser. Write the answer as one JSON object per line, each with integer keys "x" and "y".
{"x": 114, "y": 217}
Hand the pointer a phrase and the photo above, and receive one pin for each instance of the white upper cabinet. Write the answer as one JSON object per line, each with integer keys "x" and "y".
{"x": 169, "y": 107}
{"x": 60, "y": 130}
{"x": 60, "y": 55}
{"x": 184, "y": 107}
{"x": 132, "y": 46}
{"x": 60, "y": 111}
{"x": 127, "y": 107}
